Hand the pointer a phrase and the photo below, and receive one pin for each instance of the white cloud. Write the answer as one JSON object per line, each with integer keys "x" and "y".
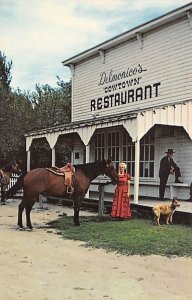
{"x": 38, "y": 35}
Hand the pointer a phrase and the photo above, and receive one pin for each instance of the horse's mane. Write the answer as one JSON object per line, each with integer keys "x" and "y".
{"x": 89, "y": 168}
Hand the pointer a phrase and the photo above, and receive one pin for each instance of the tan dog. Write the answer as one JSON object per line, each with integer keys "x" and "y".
{"x": 165, "y": 209}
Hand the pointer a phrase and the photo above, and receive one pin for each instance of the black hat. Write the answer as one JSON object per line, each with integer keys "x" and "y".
{"x": 170, "y": 151}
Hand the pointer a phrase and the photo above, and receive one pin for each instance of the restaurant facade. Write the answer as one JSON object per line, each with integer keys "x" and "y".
{"x": 132, "y": 100}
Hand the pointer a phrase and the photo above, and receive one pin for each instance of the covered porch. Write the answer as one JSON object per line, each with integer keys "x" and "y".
{"x": 137, "y": 125}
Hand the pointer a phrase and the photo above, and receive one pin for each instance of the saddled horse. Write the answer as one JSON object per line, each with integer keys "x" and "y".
{"x": 5, "y": 175}
{"x": 43, "y": 182}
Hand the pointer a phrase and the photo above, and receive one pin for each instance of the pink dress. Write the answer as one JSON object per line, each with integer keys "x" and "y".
{"x": 121, "y": 202}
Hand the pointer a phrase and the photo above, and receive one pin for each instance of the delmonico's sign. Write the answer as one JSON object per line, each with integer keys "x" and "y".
{"x": 121, "y": 88}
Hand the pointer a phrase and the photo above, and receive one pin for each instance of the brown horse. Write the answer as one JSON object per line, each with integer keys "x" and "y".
{"x": 42, "y": 181}
{"x": 5, "y": 174}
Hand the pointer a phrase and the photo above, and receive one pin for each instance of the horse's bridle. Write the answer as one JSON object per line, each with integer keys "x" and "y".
{"x": 15, "y": 168}
{"x": 110, "y": 166}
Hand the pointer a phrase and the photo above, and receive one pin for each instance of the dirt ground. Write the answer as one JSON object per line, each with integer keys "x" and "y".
{"x": 40, "y": 265}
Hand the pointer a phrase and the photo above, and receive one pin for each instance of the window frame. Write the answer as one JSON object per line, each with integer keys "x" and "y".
{"x": 126, "y": 150}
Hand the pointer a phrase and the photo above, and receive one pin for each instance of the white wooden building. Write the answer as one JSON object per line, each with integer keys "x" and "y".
{"x": 132, "y": 100}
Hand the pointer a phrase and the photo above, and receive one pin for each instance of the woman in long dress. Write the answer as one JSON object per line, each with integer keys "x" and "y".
{"x": 121, "y": 201}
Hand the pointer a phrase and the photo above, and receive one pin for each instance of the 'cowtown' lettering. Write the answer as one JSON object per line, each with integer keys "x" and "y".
{"x": 122, "y": 85}
{"x": 125, "y": 97}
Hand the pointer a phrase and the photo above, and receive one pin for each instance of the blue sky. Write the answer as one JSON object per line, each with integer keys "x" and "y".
{"x": 38, "y": 34}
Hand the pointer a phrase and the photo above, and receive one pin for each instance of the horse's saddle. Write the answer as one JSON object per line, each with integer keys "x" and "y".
{"x": 67, "y": 171}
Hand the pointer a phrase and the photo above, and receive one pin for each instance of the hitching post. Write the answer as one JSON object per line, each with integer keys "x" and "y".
{"x": 101, "y": 199}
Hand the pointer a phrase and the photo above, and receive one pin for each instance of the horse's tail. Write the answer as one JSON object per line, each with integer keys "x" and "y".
{"x": 16, "y": 187}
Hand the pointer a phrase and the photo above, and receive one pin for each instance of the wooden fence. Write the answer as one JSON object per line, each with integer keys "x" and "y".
{"x": 13, "y": 180}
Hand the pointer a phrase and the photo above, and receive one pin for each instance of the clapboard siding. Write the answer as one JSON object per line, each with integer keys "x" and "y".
{"x": 174, "y": 56}
{"x": 167, "y": 56}
{"x": 151, "y": 47}
{"x": 184, "y": 157}
{"x": 150, "y": 50}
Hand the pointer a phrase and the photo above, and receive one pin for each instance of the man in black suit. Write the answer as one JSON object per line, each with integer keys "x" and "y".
{"x": 167, "y": 167}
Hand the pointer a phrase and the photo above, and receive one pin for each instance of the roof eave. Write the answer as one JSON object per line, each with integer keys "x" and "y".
{"x": 157, "y": 22}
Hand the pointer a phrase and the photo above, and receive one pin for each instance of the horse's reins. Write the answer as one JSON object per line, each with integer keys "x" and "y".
{"x": 109, "y": 168}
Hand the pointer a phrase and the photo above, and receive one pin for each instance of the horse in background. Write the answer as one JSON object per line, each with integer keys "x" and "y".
{"x": 5, "y": 175}
{"x": 42, "y": 181}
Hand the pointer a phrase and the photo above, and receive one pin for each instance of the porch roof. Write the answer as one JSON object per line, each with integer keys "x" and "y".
{"x": 137, "y": 123}
{"x": 84, "y": 123}
{"x": 71, "y": 127}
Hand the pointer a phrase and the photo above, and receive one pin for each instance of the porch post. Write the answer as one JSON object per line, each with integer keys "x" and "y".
{"x": 28, "y": 160}
{"x": 87, "y": 147}
{"x": 53, "y": 157}
{"x": 52, "y": 140}
{"x": 136, "y": 180}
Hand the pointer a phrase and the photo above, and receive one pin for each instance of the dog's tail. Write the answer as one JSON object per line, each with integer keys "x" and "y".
{"x": 16, "y": 187}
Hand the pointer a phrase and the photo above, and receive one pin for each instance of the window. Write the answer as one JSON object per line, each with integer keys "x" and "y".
{"x": 99, "y": 146}
{"x": 128, "y": 155}
{"x": 118, "y": 145}
{"x": 147, "y": 155}
{"x": 113, "y": 142}
{"x": 76, "y": 155}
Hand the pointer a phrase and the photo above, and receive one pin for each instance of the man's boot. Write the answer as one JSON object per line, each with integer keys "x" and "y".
{"x": 177, "y": 180}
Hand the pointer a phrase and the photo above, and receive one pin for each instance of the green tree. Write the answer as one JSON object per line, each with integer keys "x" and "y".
{"x": 5, "y": 72}
{"x": 21, "y": 112}
{"x": 52, "y": 106}
{"x": 14, "y": 123}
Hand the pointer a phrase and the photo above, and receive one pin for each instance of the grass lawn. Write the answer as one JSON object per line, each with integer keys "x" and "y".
{"x": 135, "y": 236}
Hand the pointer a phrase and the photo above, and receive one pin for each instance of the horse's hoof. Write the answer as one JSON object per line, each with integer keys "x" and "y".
{"x": 21, "y": 228}
{"x": 77, "y": 224}
{"x": 3, "y": 203}
{"x": 29, "y": 229}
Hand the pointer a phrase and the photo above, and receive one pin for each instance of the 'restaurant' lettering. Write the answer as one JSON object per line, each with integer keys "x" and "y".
{"x": 125, "y": 97}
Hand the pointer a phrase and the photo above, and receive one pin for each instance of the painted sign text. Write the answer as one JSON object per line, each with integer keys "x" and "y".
{"x": 127, "y": 96}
